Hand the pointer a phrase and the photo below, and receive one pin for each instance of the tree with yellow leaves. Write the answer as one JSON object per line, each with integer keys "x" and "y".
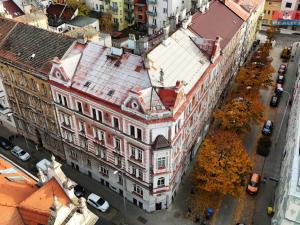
{"x": 223, "y": 164}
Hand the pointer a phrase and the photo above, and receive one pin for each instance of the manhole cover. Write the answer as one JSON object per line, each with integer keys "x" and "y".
{"x": 177, "y": 214}
{"x": 142, "y": 220}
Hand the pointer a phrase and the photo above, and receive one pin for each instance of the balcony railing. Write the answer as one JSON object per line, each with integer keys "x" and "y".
{"x": 153, "y": 2}
{"x": 151, "y": 13}
{"x": 128, "y": 2}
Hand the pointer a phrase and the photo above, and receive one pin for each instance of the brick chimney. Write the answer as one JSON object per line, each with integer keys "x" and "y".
{"x": 216, "y": 51}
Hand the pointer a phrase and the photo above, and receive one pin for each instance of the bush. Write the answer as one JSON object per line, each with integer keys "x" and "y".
{"x": 264, "y": 145}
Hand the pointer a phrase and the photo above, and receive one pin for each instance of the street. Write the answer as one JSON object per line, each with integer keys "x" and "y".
{"x": 252, "y": 210}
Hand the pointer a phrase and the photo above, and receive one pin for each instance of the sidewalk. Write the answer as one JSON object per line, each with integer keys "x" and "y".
{"x": 175, "y": 215}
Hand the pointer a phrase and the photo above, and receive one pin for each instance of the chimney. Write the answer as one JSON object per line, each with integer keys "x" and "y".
{"x": 131, "y": 41}
{"x": 216, "y": 49}
{"x": 166, "y": 35}
{"x": 146, "y": 62}
{"x": 42, "y": 178}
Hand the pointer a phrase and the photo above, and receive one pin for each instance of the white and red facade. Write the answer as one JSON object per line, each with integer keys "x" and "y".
{"x": 142, "y": 116}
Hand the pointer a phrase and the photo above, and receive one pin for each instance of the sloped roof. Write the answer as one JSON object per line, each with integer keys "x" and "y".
{"x": 109, "y": 77}
{"x": 160, "y": 142}
{"x": 42, "y": 199}
{"x": 82, "y": 21}
{"x": 219, "y": 20}
{"x": 6, "y": 25}
{"x": 168, "y": 97}
{"x": 242, "y": 8}
{"x": 33, "y": 48}
{"x": 11, "y": 8}
{"x": 179, "y": 59}
{"x": 62, "y": 10}
{"x": 10, "y": 215}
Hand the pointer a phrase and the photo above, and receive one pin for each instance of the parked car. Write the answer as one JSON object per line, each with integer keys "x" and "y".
{"x": 6, "y": 144}
{"x": 282, "y": 69}
{"x": 98, "y": 202}
{"x": 280, "y": 79}
{"x": 20, "y": 153}
{"x": 278, "y": 89}
{"x": 267, "y": 128}
{"x": 274, "y": 101}
{"x": 253, "y": 184}
{"x": 79, "y": 191}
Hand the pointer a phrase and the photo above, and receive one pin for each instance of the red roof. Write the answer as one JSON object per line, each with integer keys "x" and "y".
{"x": 168, "y": 97}
{"x": 12, "y": 9}
{"x": 60, "y": 9}
{"x": 217, "y": 21}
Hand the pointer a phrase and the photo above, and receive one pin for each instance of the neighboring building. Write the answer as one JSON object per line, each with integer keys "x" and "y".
{"x": 140, "y": 14}
{"x": 159, "y": 13}
{"x": 145, "y": 116}
{"x": 58, "y": 15}
{"x": 9, "y": 9}
{"x": 47, "y": 200}
{"x": 37, "y": 19}
{"x": 25, "y": 62}
{"x": 290, "y": 5}
{"x": 90, "y": 34}
{"x": 287, "y": 196}
{"x": 271, "y": 6}
{"x": 82, "y": 22}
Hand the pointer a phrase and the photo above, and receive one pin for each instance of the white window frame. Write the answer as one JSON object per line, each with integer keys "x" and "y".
{"x": 99, "y": 134}
{"x": 113, "y": 122}
{"x": 161, "y": 161}
{"x": 99, "y": 115}
{"x": 117, "y": 143}
{"x": 161, "y": 182}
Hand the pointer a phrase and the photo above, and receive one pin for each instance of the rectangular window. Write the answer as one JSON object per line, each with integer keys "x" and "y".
{"x": 81, "y": 127}
{"x": 132, "y": 131}
{"x": 288, "y": 5}
{"x": 133, "y": 171}
{"x": 137, "y": 189}
{"x": 165, "y": 10}
{"x": 161, "y": 163}
{"x": 99, "y": 134}
{"x": 79, "y": 107}
{"x": 140, "y": 155}
{"x": 139, "y": 134}
{"x": 118, "y": 161}
{"x": 97, "y": 115}
{"x": 140, "y": 175}
{"x": 116, "y": 122}
{"x": 132, "y": 151}
{"x": 103, "y": 170}
{"x": 60, "y": 99}
{"x": 89, "y": 164}
{"x": 65, "y": 102}
{"x": 117, "y": 144}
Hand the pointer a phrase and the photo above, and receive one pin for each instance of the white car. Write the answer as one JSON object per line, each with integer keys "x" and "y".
{"x": 20, "y": 153}
{"x": 98, "y": 202}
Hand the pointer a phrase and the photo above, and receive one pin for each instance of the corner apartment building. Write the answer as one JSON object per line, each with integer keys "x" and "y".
{"x": 133, "y": 122}
{"x": 287, "y": 196}
{"x": 25, "y": 62}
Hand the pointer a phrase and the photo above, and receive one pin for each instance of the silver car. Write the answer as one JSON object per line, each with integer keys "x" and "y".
{"x": 98, "y": 202}
{"x": 20, "y": 153}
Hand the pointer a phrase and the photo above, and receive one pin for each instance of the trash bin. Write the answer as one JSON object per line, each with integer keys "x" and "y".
{"x": 270, "y": 211}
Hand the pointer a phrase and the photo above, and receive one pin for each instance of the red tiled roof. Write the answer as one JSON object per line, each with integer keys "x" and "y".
{"x": 12, "y": 9}
{"x": 168, "y": 97}
{"x": 217, "y": 21}
{"x": 6, "y": 25}
{"x": 57, "y": 9}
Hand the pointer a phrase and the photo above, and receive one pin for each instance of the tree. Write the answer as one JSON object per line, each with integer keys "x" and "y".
{"x": 82, "y": 8}
{"x": 223, "y": 164}
{"x": 270, "y": 33}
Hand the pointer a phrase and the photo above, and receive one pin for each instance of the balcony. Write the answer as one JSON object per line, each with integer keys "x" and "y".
{"x": 128, "y": 2}
{"x": 114, "y": 8}
{"x": 153, "y": 2}
{"x": 128, "y": 10}
{"x": 129, "y": 19}
{"x": 152, "y": 13}
{"x": 152, "y": 26}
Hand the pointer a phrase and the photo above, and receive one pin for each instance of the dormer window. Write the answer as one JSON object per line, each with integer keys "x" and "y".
{"x": 135, "y": 105}
{"x": 58, "y": 75}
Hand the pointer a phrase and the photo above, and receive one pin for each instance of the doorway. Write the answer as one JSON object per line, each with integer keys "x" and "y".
{"x": 158, "y": 206}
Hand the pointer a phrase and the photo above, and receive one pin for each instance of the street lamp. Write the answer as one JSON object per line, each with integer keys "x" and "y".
{"x": 117, "y": 172}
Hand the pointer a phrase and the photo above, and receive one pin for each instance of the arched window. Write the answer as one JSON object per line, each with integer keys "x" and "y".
{"x": 161, "y": 182}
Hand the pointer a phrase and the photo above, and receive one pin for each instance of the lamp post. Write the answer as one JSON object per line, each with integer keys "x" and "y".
{"x": 117, "y": 172}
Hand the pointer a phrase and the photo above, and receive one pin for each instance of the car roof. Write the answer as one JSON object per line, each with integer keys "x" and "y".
{"x": 94, "y": 197}
{"x": 17, "y": 148}
{"x": 268, "y": 122}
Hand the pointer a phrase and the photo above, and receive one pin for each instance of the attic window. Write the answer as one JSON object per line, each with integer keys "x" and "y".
{"x": 87, "y": 84}
{"x": 110, "y": 93}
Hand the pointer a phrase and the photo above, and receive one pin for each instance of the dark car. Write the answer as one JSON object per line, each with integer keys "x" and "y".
{"x": 267, "y": 128}
{"x": 282, "y": 69}
{"x": 274, "y": 101}
{"x": 280, "y": 79}
{"x": 79, "y": 191}
{"x": 6, "y": 144}
{"x": 278, "y": 89}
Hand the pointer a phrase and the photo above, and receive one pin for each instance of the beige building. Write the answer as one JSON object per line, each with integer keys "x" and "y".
{"x": 25, "y": 62}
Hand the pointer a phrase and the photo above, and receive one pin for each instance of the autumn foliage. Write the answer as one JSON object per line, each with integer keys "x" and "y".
{"x": 223, "y": 164}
